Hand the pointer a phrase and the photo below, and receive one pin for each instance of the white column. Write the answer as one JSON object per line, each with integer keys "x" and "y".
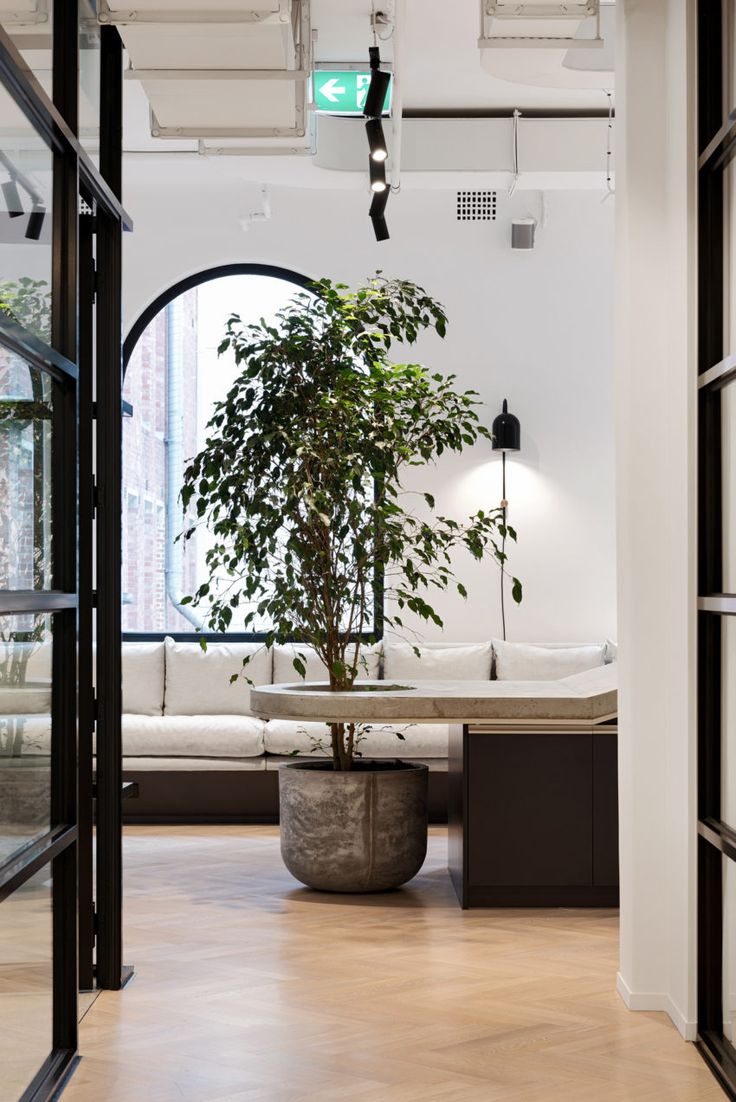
{"x": 656, "y": 505}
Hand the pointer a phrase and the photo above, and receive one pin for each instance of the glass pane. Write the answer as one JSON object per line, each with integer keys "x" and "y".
{"x": 172, "y": 382}
{"x": 26, "y": 166}
{"x": 30, "y": 25}
{"x": 26, "y": 983}
{"x": 728, "y": 719}
{"x": 25, "y": 475}
{"x": 25, "y": 731}
{"x": 728, "y": 435}
{"x": 89, "y": 79}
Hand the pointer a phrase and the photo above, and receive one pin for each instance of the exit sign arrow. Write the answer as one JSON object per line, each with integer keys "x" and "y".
{"x": 333, "y": 90}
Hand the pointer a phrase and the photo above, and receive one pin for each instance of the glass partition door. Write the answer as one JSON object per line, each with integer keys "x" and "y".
{"x": 59, "y": 263}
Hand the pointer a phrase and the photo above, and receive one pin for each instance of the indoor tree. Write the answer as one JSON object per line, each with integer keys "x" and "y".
{"x": 300, "y": 478}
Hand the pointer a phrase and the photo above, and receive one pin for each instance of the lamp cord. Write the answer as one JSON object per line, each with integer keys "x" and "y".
{"x": 503, "y": 544}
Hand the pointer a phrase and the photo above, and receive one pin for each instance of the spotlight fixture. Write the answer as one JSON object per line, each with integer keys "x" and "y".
{"x": 378, "y": 87}
{"x": 380, "y": 228}
{"x": 376, "y": 140}
{"x": 378, "y": 204}
{"x": 12, "y": 198}
{"x": 35, "y": 223}
{"x": 377, "y": 171}
{"x": 377, "y": 214}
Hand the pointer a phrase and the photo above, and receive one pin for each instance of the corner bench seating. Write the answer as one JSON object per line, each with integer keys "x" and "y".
{"x": 197, "y": 752}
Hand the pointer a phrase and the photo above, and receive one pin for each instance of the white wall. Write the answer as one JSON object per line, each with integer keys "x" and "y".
{"x": 533, "y": 327}
{"x": 656, "y": 381}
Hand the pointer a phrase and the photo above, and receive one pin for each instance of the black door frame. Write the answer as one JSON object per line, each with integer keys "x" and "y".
{"x": 69, "y": 361}
{"x": 716, "y": 370}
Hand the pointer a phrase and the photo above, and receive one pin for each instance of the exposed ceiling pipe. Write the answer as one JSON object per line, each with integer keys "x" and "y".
{"x": 397, "y": 95}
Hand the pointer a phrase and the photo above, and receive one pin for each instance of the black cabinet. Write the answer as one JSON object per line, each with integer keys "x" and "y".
{"x": 533, "y": 817}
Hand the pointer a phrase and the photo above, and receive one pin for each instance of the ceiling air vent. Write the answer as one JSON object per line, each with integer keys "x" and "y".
{"x": 476, "y": 206}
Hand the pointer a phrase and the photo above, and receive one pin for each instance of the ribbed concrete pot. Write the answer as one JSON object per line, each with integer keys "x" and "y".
{"x": 360, "y": 831}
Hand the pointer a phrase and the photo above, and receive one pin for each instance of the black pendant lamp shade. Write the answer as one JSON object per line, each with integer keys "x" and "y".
{"x": 506, "y": 431}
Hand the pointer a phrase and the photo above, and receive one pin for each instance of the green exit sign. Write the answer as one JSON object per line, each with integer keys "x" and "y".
{"x": 343, "y": 91}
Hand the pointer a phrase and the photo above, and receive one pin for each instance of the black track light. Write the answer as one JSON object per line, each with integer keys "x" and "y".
{"x": 378, "y": 204}
{"x": 377, "y": 214}
{"x": 380, "y": 228}
{"x": 12, "y": 198}
{"x": 376, "y": 98}
{"x": 378, "y": 175}
{"x": 35, "y": 223}
{"x": 376, "y": 140}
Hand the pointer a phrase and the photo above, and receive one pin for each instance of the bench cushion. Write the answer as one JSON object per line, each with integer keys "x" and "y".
{"x": 421, "y": 740}
{"x": 524, "y": 662}
{"x": 198, "y": 736}
{"x": 198, "y": 682}
{"x": 437, "y": 662}
{"x": 30, "y": 664}
{"x": 143, "y": 678}
{"x": 283, "y": 663}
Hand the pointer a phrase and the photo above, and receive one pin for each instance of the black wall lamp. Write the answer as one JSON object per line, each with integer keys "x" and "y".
{"x": 506, "y": 438}
{"x": 506, "y": 431}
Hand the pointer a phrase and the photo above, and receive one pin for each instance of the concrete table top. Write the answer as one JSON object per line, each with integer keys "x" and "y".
{"x": 590, "y": 696}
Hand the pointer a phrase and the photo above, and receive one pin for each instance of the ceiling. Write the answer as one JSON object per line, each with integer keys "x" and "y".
{"x": 441, "y": 70}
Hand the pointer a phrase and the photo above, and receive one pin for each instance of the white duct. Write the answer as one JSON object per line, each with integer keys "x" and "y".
{"x": 174, "y": 565}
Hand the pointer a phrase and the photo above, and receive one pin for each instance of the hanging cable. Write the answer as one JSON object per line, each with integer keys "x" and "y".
{"x": 514, "y": 182}
{"x": 610, "y": 189}
{"x": 504, "y": 506}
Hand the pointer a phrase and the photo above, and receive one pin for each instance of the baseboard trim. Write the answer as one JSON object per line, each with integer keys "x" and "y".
{"x": 657, "y": 1001}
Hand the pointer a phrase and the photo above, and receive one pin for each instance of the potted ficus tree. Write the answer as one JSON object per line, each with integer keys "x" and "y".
{"x": 300, "y": 486}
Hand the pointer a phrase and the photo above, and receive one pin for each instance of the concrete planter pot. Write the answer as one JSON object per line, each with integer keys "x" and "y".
{"x": 360, "y": 831}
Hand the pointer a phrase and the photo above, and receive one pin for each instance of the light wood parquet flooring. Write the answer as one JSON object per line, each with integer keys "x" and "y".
{"x": 250, "y": 988}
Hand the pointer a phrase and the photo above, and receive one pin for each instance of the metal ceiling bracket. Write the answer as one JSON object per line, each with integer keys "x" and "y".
{"x": 298, "y": 131}
{"x": 162, "y": 16}
{"x": 294, "y": 16}
{"x": 40, "y": 14}
{"x": 497, "y": 15}
{"x": 205, "y": 150}
{"x": 216, "y": 74}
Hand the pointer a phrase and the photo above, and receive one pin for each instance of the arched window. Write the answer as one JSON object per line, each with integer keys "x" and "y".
{"x": 173, "y": 378}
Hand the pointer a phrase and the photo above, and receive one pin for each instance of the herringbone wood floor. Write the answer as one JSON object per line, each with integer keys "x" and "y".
{"x": 249, "y": 987}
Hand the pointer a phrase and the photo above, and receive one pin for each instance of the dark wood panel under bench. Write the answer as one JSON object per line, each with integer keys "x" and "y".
{"x": 533, "y": 815}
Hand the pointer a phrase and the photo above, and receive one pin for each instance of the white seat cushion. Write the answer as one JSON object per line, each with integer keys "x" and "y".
{"x": 31, "y": 734}
{"x": 437, "y": 662}
{"x": 196, "y": 736}
{"x": 28, "y": 699}
{"x": 523, "y": 662}
{"x": 283, "y": 663}
{"x": 143, "y": 678}
{"x": 25, "y": 678}
{"x": 198, "y": 681}
{"x": 421, "y": 740}
{"x": 194, "y": 765}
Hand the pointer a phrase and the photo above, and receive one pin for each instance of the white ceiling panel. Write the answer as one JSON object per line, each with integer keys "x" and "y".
{"x": 222, "y": 104}
{"x": 210, "y": 46}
